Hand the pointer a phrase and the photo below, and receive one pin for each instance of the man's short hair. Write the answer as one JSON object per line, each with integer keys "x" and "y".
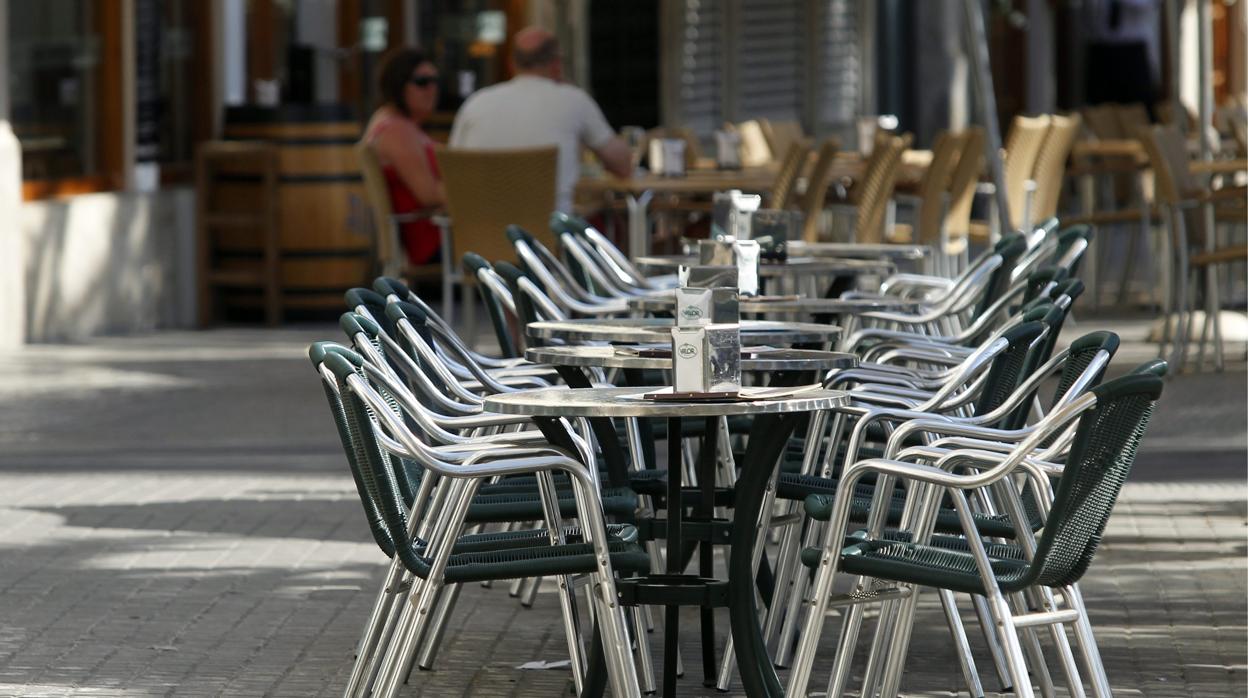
{"x": 545, "y": 53}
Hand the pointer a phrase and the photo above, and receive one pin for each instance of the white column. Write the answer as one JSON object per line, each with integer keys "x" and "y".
{"x": 234, "y": 50}
{"x": 12, "y": 246}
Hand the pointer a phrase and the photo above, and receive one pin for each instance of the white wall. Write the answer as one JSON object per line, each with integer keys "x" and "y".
{"x": 108, "y": 263}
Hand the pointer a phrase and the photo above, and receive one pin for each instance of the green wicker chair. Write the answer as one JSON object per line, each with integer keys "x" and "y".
{"x": 1111, "y": 418}
{"x": 428, "y": 548}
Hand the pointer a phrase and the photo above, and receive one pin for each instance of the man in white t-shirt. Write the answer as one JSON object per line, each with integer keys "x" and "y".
{"x": 534, "y": 108}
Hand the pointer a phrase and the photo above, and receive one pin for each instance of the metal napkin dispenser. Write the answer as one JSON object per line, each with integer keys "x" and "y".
{"x": 706, "y": 359}
{"x": 772, "y": 229}
{"x": 707, "y": 306}
{"x": 728, "y": 150}
{"x": 667, "y": 157}
{"x": 707, "y": 276}
{"x": 730, "y": 213}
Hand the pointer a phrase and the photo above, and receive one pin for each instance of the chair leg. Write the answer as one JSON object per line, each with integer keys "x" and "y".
{"x": 437, "y": 627}
{"x": 995, "y": 649}
{"x": 948, "y": 602}
{"x": 1087, "y": 644}
{"x": 378, "y": 623}
{"x": 1035, "y": 655}
{"x": 1003, "y": 626}
{"x": 645, "y": 664}
{"x": 846, "y": 645}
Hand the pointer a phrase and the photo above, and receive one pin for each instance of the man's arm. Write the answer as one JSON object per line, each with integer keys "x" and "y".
{"x": 616, "y": 157}
{"x": 602, "y": 139}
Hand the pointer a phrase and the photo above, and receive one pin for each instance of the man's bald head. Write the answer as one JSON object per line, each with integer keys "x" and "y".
{"x": 534, "y": 49}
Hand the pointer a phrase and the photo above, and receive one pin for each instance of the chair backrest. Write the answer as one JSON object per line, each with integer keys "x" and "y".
{"x": 872, "y": 194}
{"x": 1131, "y": 117}
{"x": 1007, "y": 367}
{"x": 1105, "y": 443}
{"x": 387, "y": 249}
{"x": 352, "y": 442}
{"x": 782, "y": 135}
{"x": 495, "y": 306}
{"x": 1022, "y": 146}
{"x": 935, "y": 184}
{"x": 1050, "y": 168}
{"x": 487, "y": 190}
{"x": 1103, "y": 122}
{"x": 755, "y": 152}
{"x": 782, "y": 188}
{"x": 1010, "y": 247}
{"x": 1167, "y": 155}
{"x": 963, "y": 182}
{"x": 817, "y": 189}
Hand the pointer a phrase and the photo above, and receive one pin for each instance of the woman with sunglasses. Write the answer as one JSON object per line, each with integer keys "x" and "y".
{"x": 408, "y": 88}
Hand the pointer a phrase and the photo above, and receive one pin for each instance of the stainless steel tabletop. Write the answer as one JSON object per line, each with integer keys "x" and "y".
{"x": 658, "y": 331}
{"x": 790, "y": 267}
{"x": 857, "y": 250}
{"x": 763, "y": 359}
{"x": 666, "y": 302}
{"x": 628, "y": 402}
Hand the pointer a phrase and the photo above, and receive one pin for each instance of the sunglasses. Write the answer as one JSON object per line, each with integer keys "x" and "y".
{"x": 423, "y": 80}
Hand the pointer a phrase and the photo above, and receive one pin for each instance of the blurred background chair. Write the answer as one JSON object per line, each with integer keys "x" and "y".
{"x": 1191, "y": 222}
{"x": 487, "y": 190}
{"x": 870, "y": 198}
{"x": 755, "y": 151}
{"x": 782, "y": 135}
{"x": 391, "y": 258}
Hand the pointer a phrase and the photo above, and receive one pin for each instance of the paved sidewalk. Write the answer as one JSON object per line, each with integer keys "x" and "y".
{"x": 176, "y": 519}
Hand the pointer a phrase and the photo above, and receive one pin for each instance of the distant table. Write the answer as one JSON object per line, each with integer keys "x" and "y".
{"x": 751, "y": 360}
{"x": 858, "y": 250}
{"x": 666, "y": 302}
{"x": 790, "y": 267}
{"x": 659, "y": 331}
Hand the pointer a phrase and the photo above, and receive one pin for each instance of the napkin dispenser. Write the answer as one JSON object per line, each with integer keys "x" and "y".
{"x": 728, "y": 150}
{"x": 772, "y": 229}
{"x": 706, "y": 359}
{"x": 707, "y": 306}
{"x": 730, "y": 214}
{"x": 707, "y": 276}
{"x": 667, "y": 157}
{"x": 742, "y": 254}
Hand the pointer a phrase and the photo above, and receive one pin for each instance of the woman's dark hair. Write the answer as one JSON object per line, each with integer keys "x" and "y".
{"x": 396, "y": 70}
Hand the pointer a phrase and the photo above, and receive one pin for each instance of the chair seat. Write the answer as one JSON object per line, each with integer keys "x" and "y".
{"x": 547, "y": 560}
{"x": 523, "y": 505}
{"x": 818, "y": 506}
{"x": 507, "y": 540}
{"x": 929, "y": 565}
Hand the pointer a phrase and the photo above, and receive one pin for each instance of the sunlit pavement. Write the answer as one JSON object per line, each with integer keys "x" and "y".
{"x": 176, "y": 516}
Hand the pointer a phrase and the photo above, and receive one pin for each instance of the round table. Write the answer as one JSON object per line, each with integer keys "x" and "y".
{"x": 790, "y": 267}
{"x": 755, "y": 361}
{"x": 774, "y": 422}
{"x": 666, "y": 302}
{"x": 858, "y": 250}
{"x": 658, "y": 331}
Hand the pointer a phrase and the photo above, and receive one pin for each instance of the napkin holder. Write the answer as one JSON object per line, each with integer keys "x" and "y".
{"x": 728, "y": 150}
{"x": 706, "y": 359}
{"x": 667, "y": 157}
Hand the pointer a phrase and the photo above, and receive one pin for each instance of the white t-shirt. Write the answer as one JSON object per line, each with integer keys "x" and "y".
{"x": 529, "y": 111}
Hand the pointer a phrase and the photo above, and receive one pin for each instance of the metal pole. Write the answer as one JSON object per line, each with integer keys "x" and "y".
{"x": 1205, "y": 46}
{"x": 981, "y": 75}
{"x": 1174, "y": 33}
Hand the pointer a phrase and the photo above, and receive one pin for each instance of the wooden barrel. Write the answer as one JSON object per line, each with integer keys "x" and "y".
{"x": 325, "y": 246}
